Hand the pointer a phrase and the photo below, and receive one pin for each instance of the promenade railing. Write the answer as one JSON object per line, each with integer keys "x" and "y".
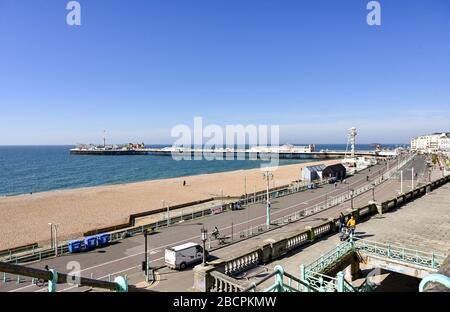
{"x": 412, "y": 256}
{"x": 52, "y": 278}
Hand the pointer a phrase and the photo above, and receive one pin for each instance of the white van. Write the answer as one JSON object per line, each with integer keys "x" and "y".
{"x": 179, "y": 257}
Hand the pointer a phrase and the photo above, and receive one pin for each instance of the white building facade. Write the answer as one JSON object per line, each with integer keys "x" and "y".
{"x": 433, "y": 143}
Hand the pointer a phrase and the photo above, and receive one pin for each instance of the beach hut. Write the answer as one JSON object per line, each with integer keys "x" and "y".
{"x": 337, "y": 171}
{"x": 311, "y": 173}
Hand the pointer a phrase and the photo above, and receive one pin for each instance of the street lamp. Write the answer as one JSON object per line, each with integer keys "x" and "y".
{"x": 56, "y": 238}
{"x": 51, "y": 235}
{"x": 268, "y": 176}
{"x": 146, "y": 255}
{"x": 204, "y": 237}
{"x": 373, "y": 191}
{"x": 401, "y": 181}
{"x": 168, "y": 217}
{"x": 245, "y": 190}
{"x": 352, "y": 191}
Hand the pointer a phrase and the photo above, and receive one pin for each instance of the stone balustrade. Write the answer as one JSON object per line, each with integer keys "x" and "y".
{"x": 242, "y": 263}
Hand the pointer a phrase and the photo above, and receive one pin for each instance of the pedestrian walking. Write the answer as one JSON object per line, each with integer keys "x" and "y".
{"x": 341, "y": 222}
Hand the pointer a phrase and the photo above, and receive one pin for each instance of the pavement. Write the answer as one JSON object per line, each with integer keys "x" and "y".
{"x": 423, "y": 224}
{"x": 125, "y": 256}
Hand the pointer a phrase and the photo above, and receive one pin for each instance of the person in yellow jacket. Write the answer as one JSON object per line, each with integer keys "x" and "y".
{"x": 351, "y": 224}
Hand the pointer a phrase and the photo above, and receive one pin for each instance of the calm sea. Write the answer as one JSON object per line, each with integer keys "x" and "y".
{"x": 25, "y": 169}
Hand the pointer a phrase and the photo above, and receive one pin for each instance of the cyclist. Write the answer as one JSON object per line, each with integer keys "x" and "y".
{"x": 42, "y": 282}
{"x": 215, "y": 232}
{"x": 352, "y": 225}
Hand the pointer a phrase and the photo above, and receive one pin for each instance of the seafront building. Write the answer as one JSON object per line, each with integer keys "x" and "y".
{"x": 432, "y": 143}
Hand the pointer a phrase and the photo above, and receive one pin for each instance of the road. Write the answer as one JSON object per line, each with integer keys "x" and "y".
{"x": 124, "y": 257}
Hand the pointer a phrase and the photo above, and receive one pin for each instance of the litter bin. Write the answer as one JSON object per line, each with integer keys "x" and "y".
{"x": 75, "y": 245}
{"x": 90, "y": 242}
{"x": 103, "y": 239}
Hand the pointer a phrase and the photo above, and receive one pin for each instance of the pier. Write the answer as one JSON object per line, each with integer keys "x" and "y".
{"x": 229, "y": 153}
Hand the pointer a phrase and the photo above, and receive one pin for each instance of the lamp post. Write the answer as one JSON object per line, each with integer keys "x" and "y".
{"x": 204, "y": 237}
{"x": 268, "y": 176}
{"x": 401, "y": 181}
{"x": 146, "y": 255}
{"x": 245, "y": 190}
{"x": 352, "y": 191}
{"x": 51, "y": 235}
{"x": 412, "y": 178}
{"x": 373, "y": 191}
{"x": 164, "y": 206}
{"x": 56, "y": 238}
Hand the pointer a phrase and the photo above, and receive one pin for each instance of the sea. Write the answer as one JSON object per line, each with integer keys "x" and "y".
{"x": 31, "y": 169}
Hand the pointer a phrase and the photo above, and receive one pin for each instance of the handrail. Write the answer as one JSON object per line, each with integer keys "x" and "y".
{"x": 61, "y": 278}
{"x": 434, "y": 278}
{"x": 320, "y": 282}
{"x": 417, "y": 257}
{"x": 259, "y": 282}
{"x": 348, "y": 286}
{"x": 336, "y": 253}
{"x": 279, "y": 273}
{"x": 366, "y": 241}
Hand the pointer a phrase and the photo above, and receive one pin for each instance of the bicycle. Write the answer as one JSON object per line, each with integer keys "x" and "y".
{"x": 215, "y": 235}
{"x": 41, "y": 283}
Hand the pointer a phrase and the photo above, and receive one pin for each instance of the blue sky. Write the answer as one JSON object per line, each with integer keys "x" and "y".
{"x": 139, "y": 67}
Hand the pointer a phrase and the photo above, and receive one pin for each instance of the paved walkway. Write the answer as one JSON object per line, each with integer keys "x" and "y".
{"x": 423, "y": 224}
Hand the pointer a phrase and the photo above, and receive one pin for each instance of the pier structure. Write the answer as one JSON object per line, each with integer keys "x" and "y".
{"x": 282, "y": 152}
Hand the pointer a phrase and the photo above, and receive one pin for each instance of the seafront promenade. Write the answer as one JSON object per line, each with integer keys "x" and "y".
{"x": 125, "y": 256}
{"x": 25, "y": 217}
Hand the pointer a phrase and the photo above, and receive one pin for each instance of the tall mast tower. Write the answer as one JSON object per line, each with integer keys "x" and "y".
{"x": 352, "y": 139}
{"x": 104, "y": 138}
